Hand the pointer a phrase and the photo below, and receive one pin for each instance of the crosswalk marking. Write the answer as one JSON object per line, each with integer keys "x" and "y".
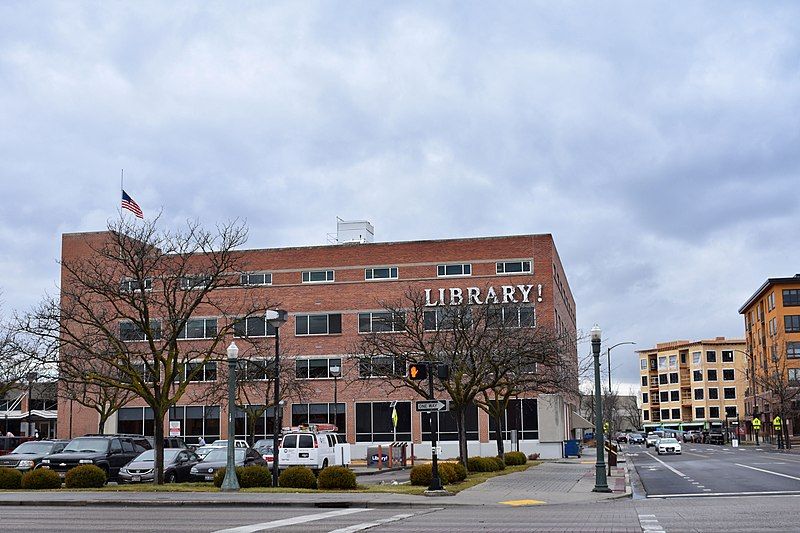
{"x": 375, "y": 523}
{"x": 252, "y": 528}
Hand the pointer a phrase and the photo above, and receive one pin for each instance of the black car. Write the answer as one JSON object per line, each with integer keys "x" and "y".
{"x": 636, "y": 438}
{"x": 109, "y": 452}
{"x": 29, "y": 454}
{"x": 218, "y": 458}
{"x": 177, "y": 464}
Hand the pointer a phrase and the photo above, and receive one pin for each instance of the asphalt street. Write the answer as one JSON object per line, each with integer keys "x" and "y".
{"x": 705, "y": 470}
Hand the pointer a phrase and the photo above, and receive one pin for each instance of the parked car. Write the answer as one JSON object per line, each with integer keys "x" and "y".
{"x": 218, "y": 458}
{"x": 29, "y": 454}
{"x": 9, "y": 444}
{"x": 109, "y": 452}
{"x": 308, "y": 447}
{"x": 178, "y": 463}
{"x": 668, "y": 445}
{"x": 652, "y": 438}
{"x": 636, "y": 438}
{"x": 202, "y": 451}
{"x": 169, "y": 442}
{"x": 692, "y": 436}
{"x": 222, "y": 443}
{"x": 621, "y": 437}
{"x": 265, "y": 448}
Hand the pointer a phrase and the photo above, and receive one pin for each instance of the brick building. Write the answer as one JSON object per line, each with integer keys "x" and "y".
{"x": 332, "y": 293}
{"x": 693, "y": 384}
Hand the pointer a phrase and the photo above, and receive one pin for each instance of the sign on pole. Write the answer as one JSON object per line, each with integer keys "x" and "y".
{"x": 174, "y": 428}
{"x": 756, "y": 423}
{"x": 430, "y": 406}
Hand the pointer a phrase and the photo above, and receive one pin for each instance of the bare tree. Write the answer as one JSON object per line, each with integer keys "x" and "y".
{"x": 632, "y": 412}
{"x": 126, "y": 318}
{"x": 104, "y": 400}
{"x": 486, "y": 347}
{"x": 780, "y": 384}
{"x": 15, "y": 364}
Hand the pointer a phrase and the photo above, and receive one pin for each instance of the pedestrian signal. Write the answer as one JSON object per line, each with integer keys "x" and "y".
{"x": 418, "y": 371}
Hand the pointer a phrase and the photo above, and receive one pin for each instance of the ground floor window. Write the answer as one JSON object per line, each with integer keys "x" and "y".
{"x": 374, "y": 422}
{"x": 136, "y": 421}
{"x": 197, "y": 421}
{"x": 321, "y": 413}
{"x": 261, "y": 419}
{"x": 522, "y": 415}
{"x": 447, "y": 425}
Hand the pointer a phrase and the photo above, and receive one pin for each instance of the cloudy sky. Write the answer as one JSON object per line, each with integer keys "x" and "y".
{"x": 658, "y": 142}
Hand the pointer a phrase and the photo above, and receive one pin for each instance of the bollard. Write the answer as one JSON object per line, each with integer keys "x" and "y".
{"x": 380, "y": 457}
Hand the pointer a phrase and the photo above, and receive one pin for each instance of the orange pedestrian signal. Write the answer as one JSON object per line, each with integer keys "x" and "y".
{"x": 418, "y": 371}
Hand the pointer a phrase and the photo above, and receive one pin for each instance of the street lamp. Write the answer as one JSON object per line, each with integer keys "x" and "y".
{"x": 336, "y": 371}
{"x": 276, "y": 318}
{"x": 231, "y": 482}
{"x": 31, "y": 377}
{"x": 600, "y": 481}
{"x": 608, "y": 354}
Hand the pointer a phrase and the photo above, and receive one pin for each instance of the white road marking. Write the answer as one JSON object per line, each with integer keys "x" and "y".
{"x": 668, "y": 466}
{"x": 290, "y": 521}
{"x": 731, "y": 494}
{"x": 376, "y": 523}
{"x": 768, "y": 471}
{"x": 648, "y": 522}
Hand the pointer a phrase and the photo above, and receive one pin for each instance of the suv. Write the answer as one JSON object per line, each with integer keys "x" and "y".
{"x": 30, "y": 453}
{"x": 652, "y": 438}
{"x": 313, "y": 446}
{"x": 109, "y": 452}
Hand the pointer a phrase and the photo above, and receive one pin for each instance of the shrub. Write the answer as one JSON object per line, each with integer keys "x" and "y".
{"x": 421, "y": 475}
{"x": 447, "y": 473}
{"x": 249, "y": 476}
{"x": 460, "y": 472}
{"x": 515, "y": 458}
{"x": 85, "y": 477}
{"x": 10, "y": 478}
{"x": 336, "y": 477}
{"x": 480, "y": 464}
{"x": 41, "y": 478}
{"x": 499, "y": 463}
{"x": 298, "y": 477}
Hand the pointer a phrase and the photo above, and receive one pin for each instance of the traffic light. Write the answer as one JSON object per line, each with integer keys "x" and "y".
{"x": 418, "y": 371}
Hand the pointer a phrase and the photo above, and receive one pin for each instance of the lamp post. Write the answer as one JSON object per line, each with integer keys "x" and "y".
{"x": 231, "y": 482}
{"x": 31, "y": 376}
{"x": 608, "y": 355}
{"x": 336, "y": 371}
{"x": 600, "y": 481}
{"x": 276, "y": 318}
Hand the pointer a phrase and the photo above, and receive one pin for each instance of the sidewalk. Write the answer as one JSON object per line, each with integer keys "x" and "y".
{"x": 552, "y": 482}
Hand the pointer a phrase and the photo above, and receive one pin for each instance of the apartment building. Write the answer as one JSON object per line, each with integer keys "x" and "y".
{"x": 772, "y": 331}
{"x": 693, "y": 384}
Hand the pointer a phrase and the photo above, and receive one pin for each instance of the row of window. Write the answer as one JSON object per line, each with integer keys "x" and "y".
{"x": 671, "y": 361}
{"x": 699, "y": 413}
{"x": 728, "y": 393}
{"x": 728, "y": 374}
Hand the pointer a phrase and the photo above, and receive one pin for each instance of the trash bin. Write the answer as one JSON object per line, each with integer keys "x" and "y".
{"x": 612, "y": 449}
{"x": 572, "y": 448}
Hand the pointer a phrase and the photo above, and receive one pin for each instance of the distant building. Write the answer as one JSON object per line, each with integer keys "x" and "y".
{"x": 15, "y": 413}
{"x": 693, "y": 384}
{"x": 772, "y": 331}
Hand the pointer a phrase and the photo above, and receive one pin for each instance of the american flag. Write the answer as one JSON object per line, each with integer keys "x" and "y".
{"x": 129, "y": 204}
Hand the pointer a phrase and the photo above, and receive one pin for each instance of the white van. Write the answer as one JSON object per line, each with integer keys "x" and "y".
{"x": 313, "y": 446}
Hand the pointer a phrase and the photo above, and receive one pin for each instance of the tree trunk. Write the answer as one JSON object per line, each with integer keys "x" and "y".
{"x": 159, "y": 442}
{"x": 102, "y": 424}
{"x": 461, "y": 423}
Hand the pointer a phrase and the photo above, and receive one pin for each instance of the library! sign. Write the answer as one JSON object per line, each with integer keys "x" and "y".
{"x": 473, "y": 295}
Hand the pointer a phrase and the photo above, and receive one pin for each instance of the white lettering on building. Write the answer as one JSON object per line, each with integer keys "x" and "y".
{"x": 455, "y": 295}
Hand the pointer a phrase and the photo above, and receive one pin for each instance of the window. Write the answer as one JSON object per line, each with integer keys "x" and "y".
{"x": 697, "y": 375}
{"x": 511, "y": 316}
{"x": 256, "y": 369}
{"x": 260, "y": 418}
{"x": 674, "y": 396}
{"x": 444, "y": 318}
{"x": 317, "y": 276}
{"x": 665, "y": 414}
{"x": 644, "y": 398}
{"x": 256, "y": 278}
{"x": 664, "y": 396}
{"x": 195, "y": 282}
{"x": 520, "y": 415}
{"x": 318, "y": 324}
{"x": 201, "y": 372}
{"x": 454, "y": 270}
{"x": 773, "y": 326}
{"x": 713, "y": 412}
{"x": 729, "y": 393}
{"x": 197, "y": 421}
{"x": 374, "y": 422}
{"x": 643, "y": 364}
{"x": 383, "y": 321}
{"x": 711, "y": 356}
{"x": 793, "y": 349}
{"x": 644, "y": 381}
{"x": 135, "y": 421}
{"x": 696, "y": 357}
{"x": 673, "y": 377}
{"x": 254, "y": 326}
{"x": 728, "y": 374}
{"x": 794, "y": 376}
{"x": 317, "y": 367}
{"x": 713, "y": 393}
{"x": 727, "y": 356}
{"x": 683, "y": 358}
{"x": 791, "y": 323}
{"x": 199, "y": 328}
{"x": 447, "y": 424}
{"x": 771, "y": 301}
{"x": 130, "y": 285}
{"x": 514, "y": 267}
{"x": 381, "y": 366}
{"x": 653, "y": 363}
{"x": 698, "y": 394}
{"x": 646, "y": 415}
{"x": 676, "y": 414}
{"x": 730, "y": 411}
{"x": 673, "y": 361}
{"x": 791, "y": 297}
{"x": 321, "y": 413}
{"x": 380, "y": 273}
{"x": 128, "y": 331}
{"x": 662, "y": 379}
{"x": 662, "y": 362}
{"x": 699, "y": 412}
{"x": 711, "y": 375}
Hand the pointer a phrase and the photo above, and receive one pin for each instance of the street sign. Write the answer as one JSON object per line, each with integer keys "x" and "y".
{"x": 756, "y": 423}
{"x": 418, "y": 371}
{"x": 430, "y": 406}
{"x": 776, "y": 422}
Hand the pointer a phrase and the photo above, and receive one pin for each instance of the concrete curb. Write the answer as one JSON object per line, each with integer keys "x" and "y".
{"x": 227, "y": 503}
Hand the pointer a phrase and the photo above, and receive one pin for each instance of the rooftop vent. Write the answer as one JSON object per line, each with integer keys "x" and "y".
{"x": 352, "y": 231}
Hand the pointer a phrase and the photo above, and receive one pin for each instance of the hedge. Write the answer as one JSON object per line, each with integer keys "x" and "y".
{"x": 10, "y": 478}
{"x": 485, "y": 464}
{"x": 515, "y": 458}
{"x": 85, "y": 477}
{"x": 336, "y": 477}
{"x": 41, "y": 478}
{"x": 298, "y": 477}
{"x": 249, "y": 476}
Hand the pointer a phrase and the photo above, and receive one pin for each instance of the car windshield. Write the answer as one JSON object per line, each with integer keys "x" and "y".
{"x": 668, "y": 441}
{"x": 150, "y": 455}
{"x": 87, "y": 445}
{"x": 263, "y": 447}
{"x": 33, "y": 448}
{"x": 635, "y": 435}
{"x": 218, "y": 455}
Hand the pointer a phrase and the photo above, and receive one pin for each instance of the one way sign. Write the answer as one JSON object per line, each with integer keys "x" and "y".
{"x": 428, "y": 406}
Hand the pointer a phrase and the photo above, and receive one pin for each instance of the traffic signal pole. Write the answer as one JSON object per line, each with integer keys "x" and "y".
{"x": 436, "y": 482}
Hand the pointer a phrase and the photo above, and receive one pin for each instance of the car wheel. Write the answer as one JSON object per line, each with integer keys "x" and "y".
{"x": 325, "y": 464}
{"x": 170, "y": 478}
{"x": 658, "y": 452}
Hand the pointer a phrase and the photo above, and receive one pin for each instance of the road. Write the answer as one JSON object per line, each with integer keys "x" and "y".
{"x": 706, "y": 470}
